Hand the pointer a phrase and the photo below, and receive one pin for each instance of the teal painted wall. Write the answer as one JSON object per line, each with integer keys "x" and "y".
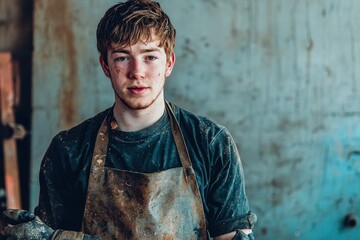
{"x": 282, "y": 75}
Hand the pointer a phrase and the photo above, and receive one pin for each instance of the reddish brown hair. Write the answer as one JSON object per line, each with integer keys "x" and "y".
{"x": 127, "y": 23}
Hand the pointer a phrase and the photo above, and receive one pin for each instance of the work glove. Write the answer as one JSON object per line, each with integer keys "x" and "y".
{"x": 25, "y": 226}
{"x": 240, "y": 235}
{"x": 249, "y": 221}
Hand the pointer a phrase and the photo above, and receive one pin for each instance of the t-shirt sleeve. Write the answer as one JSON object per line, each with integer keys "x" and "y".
{"x": 226, "y": 198}
{"x": 53, "y": 206}
{"x": 49, "y": 198}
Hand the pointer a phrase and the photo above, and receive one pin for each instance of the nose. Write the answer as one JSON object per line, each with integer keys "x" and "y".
{"x": 136, "y": 70}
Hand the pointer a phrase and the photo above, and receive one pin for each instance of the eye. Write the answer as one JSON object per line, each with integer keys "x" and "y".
{"x": 151, "y": 58}
{"x": 122, "y": 59}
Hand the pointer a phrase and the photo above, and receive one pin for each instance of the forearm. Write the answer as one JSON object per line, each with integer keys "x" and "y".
{"x": 242, "y": 234}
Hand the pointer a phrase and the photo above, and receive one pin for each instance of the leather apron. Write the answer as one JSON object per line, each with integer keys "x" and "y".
{"x": 132, "y": 205}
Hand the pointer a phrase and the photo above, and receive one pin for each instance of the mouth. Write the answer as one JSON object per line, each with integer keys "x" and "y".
{"x": 136, "y": 90}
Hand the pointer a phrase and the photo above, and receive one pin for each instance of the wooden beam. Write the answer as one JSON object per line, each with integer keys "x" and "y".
{"x": 7, "y": 100}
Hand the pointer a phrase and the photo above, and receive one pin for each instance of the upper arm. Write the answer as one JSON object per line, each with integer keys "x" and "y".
{"x": 55, "y": 200}
{"x": 226, "y": 198}
{"x": 49, "y": 193}
{"x": 219, "y": 175}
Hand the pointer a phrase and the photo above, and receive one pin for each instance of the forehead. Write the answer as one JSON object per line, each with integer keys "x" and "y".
{"x": 141, "y": 45}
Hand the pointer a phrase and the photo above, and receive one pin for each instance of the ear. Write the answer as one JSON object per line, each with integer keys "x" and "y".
{"x": 104, "y": 66}
{"x": 170, "y": 64}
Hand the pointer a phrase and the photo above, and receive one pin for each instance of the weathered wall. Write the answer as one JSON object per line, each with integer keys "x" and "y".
{"x": 282, "y": 75}
{"x": 15, "y": 24}
{"x": 16, "y": 38}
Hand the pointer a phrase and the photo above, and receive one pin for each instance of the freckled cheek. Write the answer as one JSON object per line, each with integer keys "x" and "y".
{"x": 117, "y": 71}
{"x": 118, "y": 76}
{"x": 159, "y": 74}
{"x": 156, "y": 72}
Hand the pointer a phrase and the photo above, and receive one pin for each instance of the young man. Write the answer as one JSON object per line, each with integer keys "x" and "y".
{"x": 144, "y": 168}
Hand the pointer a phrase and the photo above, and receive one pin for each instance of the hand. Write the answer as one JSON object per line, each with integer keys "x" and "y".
{"x": 24, "y": 225}
{"x": 240, "y": 235}
{"x": 16, "y": 216}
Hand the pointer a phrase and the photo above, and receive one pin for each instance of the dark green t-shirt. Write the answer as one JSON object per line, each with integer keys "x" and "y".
{"x": 66, "y": 164}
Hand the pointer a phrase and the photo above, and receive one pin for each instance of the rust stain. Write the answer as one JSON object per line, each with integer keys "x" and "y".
{"x": 264, "y": 231}
{"x": 310, "y": 45}
{"x": 275, "y": 149}
{"x": 277, "y": 183}
{"x": 61, "y": 35}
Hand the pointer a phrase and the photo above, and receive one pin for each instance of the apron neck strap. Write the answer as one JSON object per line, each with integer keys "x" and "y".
{"x": 180, "y": 142}
{"x": 102, "y": 139}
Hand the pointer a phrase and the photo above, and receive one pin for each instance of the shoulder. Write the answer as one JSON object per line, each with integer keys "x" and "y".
{"x": 79, "y": 139}
{"x": 208, "y": 142}
{"x": 71, "y": 149}
{"x": 203, "y": 127}
{"x": 87, "y": 128}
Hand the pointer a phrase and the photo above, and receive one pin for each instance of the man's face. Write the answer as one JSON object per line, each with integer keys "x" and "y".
{"x": 138, "y": 73}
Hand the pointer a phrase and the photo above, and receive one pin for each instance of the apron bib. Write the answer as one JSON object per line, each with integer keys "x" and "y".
{"x": 131, "y": 205}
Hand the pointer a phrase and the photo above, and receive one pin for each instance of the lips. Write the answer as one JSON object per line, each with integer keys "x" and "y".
{"x": 138, "y": 89}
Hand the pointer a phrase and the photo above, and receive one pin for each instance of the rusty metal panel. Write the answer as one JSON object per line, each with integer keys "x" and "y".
{"x": 281, "y": 75}
{"x": 68, "y": 85}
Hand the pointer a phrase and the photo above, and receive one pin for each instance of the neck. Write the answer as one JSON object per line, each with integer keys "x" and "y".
{"x": 134, "y": 120}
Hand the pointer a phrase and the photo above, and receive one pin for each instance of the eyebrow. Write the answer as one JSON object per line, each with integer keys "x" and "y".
{"x": 147, "y": 50}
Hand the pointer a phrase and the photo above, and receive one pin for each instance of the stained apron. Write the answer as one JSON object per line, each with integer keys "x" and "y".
{"x": 132, "y": 205}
